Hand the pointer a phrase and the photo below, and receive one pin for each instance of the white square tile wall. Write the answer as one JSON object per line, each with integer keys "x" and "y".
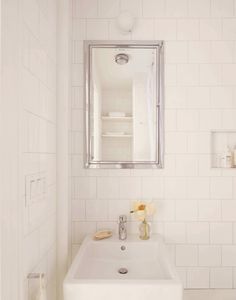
{"x": 196, "y": 204}
{"x": 37, "y": 73}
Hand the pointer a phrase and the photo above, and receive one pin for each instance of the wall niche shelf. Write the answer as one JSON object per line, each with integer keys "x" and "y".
{"x": 220, "y": 141}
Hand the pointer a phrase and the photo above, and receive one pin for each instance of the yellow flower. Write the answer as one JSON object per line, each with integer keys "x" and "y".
{"x": 138, "y": 205}
{"x": 142, "y": 210}
{"x": 150, "y": 209}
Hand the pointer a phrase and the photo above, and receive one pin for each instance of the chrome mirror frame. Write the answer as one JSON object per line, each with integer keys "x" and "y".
{"x": 159, "y": 161}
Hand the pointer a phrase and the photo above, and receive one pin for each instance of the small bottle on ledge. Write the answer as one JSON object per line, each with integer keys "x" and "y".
{"x": 227, "y": 158}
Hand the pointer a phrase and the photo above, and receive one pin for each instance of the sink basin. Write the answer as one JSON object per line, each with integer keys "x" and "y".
{"x": 131, "y": 269}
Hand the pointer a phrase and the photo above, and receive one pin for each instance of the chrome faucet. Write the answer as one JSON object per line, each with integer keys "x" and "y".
{"x": 122, "y": 227}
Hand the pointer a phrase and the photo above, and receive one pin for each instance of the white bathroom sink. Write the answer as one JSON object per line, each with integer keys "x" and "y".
{"x": 95, "y": 272}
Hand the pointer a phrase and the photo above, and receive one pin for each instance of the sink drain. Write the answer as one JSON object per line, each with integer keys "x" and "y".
{"x": 123, "y": 271}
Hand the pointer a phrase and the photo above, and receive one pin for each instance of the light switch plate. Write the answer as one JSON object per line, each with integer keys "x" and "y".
{"x": 35, "y": 186}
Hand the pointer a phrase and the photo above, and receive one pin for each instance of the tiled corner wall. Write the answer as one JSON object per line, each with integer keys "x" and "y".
{"x": 38, "y": 136}
{"x": 196, "y": 205}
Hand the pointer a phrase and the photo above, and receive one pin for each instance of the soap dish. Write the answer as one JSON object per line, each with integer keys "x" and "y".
{"x": 102, "y": 234}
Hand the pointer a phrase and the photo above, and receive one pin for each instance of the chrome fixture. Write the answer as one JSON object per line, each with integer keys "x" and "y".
{"x": 123, "y": 271}
{"x": 122, "y": 227}
{"x": 121, "y": 58}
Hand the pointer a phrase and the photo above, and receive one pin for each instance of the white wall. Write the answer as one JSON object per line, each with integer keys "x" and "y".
{"x": 9, "y": 152}
{"x": 63, "y": 94}
{"x": 28, "y": 141}
{"x": 116, "y": 100}
{"x": 143, "y": 119}
{"x": 196, "y": 204}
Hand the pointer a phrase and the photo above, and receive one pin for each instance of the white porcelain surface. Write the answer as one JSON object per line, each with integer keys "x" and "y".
{"x": 94, "y": 272}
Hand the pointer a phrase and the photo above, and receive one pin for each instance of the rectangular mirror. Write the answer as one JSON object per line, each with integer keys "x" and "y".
{"x": 124, "y": 104}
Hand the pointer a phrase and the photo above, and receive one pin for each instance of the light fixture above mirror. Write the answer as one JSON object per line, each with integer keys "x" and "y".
{"x": 121, "y": 59}
{"x": 125, "y": 22}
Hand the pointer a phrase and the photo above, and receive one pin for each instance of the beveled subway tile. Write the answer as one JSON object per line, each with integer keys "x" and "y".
{"x": 195, "y": 203}
{"x": 198, "y": 278}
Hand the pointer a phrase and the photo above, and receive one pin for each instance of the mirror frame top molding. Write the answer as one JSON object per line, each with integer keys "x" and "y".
{"x": 89, "y": 45}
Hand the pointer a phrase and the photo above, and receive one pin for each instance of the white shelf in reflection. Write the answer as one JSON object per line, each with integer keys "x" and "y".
{"x": 108, "y": 118}
{"x": 117, "y": 135}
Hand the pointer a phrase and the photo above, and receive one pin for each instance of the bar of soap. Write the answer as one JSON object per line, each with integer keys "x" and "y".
{"x": 103, "y": 234}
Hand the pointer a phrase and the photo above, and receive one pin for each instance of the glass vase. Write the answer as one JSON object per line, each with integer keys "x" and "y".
{"x": 144, "y": 230}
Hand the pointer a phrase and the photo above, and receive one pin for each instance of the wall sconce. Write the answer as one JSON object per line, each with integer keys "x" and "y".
{"x": 125, "y": 22}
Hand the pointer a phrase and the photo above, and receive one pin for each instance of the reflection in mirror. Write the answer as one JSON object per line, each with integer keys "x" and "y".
{"x": 124, "y": 104}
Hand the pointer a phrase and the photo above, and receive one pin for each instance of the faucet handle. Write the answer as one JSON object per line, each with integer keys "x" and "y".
{"x": 122, "y": 219}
